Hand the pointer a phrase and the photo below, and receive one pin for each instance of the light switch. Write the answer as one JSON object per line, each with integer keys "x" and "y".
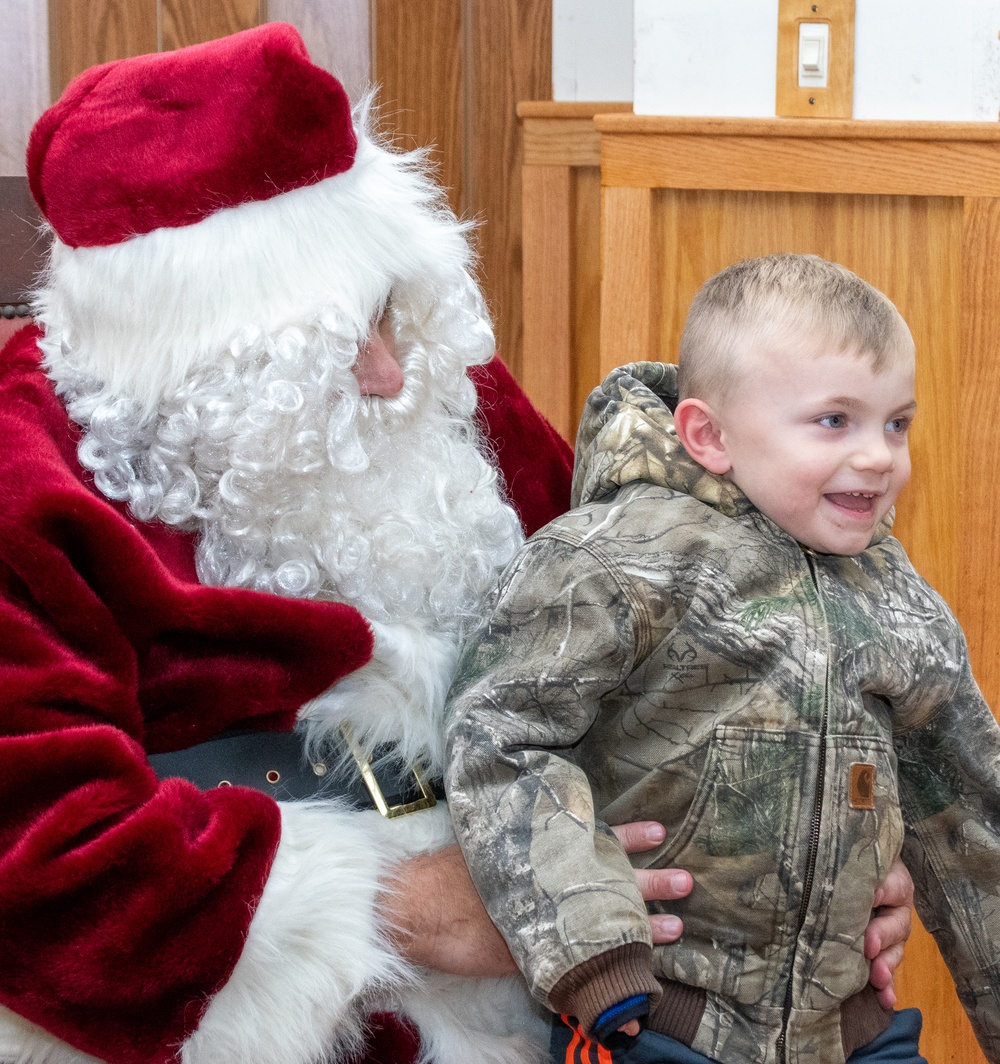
{"x": 814, "y": 77}
{"x": 811, "y": 51}
{"x": 814, "y": 52}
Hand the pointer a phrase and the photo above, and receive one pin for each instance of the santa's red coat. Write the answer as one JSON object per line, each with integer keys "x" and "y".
{"x": 124, "y": 901}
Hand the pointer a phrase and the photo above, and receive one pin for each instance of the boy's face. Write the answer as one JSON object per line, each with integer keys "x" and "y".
{"x": 818, "y": 442}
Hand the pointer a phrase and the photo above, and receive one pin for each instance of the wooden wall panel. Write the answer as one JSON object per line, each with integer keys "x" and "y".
{"x": 183, "y": 22}
{"x": 337, "y": 35}
{"x": 451, "y": 73}
{"x": 510, "y": 59}
{"x": 418, "y": 67}
{"x": 85, "y": 32}
{"x": 628, "y": 309}
{"x": 586, "y": 291}
{"x": 562, "y": 276}
{"x": 561, "y": 290}
{"x": 548, "y": 294}
{"x": 976, "y": 437}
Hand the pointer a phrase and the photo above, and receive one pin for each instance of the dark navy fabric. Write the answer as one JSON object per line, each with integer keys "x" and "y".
{"x": 898, "y": 1044}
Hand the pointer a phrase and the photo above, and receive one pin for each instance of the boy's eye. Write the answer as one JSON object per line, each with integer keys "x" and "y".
{"x": 897, "y": 424}
{"x": 833, "y": 421}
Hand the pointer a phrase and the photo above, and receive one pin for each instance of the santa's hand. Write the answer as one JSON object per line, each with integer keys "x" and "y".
{"x": 438, "y": 919}
{"x": 656, "y": 884}
{"x": 888, "y": 930}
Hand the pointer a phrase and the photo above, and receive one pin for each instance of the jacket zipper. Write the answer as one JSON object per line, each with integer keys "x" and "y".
{"x": 814, "y": 827}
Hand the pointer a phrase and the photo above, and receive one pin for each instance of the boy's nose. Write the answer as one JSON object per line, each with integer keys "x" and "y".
{"x": 376, "y": 369}
{"x": 874, "y": 453}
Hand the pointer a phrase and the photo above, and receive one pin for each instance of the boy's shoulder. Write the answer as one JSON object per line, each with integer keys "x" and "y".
{"x": 647, "y": 517}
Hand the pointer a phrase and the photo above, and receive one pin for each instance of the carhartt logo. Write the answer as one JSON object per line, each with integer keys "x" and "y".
{"x": 862, "y": 786}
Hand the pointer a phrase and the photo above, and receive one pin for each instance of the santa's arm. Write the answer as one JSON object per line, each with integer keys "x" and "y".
{"x": 536, "y": 463}
{"x": 140, "y": 916}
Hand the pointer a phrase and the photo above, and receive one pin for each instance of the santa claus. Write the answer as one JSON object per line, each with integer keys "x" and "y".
{"x": 251, "y": 507}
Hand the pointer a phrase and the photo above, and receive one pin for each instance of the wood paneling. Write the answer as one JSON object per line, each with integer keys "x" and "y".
{"x": 547, "y": 291}
{"x": 586, "y": 290}
{"x": 915, "y": 209}
{"x": 337, "y": 35}
{"x": 627, "y": 281}
{"x": 450, "y": 74}
{"x": 798, "y": 155}
{"x": 510, "y": 59}
{"x": 85, "y": 32}
{"x": 561, "y": 282}
{"x": 975, "y": 435}
{"x": 184, "y": 22}
{"x": 418, "y": 66}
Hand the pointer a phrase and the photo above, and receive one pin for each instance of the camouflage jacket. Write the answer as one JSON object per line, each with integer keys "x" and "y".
{"x": 796, "y": 720}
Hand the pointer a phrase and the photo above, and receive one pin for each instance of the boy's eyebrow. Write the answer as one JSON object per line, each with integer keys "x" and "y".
{"x": 851, "y": 402}
{"x": 847, "y": 401}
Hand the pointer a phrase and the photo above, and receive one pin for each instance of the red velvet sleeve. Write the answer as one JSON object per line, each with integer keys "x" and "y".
{"x": 536, "y": 463}
{"x": 124, "y": 902}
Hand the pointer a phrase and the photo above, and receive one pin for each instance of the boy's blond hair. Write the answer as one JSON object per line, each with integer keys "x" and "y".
{"x": 778, "y": 299}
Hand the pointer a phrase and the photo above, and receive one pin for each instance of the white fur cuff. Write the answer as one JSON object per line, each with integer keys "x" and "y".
{"x": 313, "y": 951}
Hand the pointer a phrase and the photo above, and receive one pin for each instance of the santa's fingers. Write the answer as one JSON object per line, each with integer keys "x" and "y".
{"x": 656, "y": 884}
{"x": 664, "y": 884}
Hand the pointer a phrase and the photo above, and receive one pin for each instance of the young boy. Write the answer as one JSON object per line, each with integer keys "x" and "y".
{"x": 723, "y": 636}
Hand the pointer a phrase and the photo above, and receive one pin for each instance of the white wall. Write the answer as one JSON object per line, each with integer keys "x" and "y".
{"x": 927, "y": 59}
{"x": 705, "y": 57}
{"x": 24, "y": 69}
{"x": 913, "y": 59}
{"x": 592, "y": 50}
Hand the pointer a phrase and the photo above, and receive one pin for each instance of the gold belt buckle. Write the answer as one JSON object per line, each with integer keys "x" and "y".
{"x": 390, "y": 812}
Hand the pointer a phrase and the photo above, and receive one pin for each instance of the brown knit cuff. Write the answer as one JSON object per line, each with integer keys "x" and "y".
{"x": 862, "y": 1018}
{"x": 594, "y": 986}
{"x": 678, "y": 1013}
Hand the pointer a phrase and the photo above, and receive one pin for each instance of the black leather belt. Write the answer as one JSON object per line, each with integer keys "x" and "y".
{"x": 275, "y": 763}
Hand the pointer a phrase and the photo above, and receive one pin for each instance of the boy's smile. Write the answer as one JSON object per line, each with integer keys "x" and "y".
{"x": 818, "y": 441}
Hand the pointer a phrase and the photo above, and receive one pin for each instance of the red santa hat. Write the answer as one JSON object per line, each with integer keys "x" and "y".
{"x": 200, "y": 194}
{"x": 170, "y": 138}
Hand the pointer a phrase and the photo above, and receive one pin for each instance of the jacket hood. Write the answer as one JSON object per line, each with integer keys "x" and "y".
{"x": 627, "y": 434}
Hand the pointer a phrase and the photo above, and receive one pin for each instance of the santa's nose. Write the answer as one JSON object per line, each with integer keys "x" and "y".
{"x": 376, "y": 368}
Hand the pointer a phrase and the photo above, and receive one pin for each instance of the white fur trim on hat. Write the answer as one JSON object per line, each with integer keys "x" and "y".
{"x": 141, "y": 315}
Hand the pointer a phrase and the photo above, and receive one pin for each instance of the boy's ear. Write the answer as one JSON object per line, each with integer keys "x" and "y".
{"x": 701, "y": 434}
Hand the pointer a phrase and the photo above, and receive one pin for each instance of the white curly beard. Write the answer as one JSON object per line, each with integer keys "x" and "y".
{"x": 299, "y": 486}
